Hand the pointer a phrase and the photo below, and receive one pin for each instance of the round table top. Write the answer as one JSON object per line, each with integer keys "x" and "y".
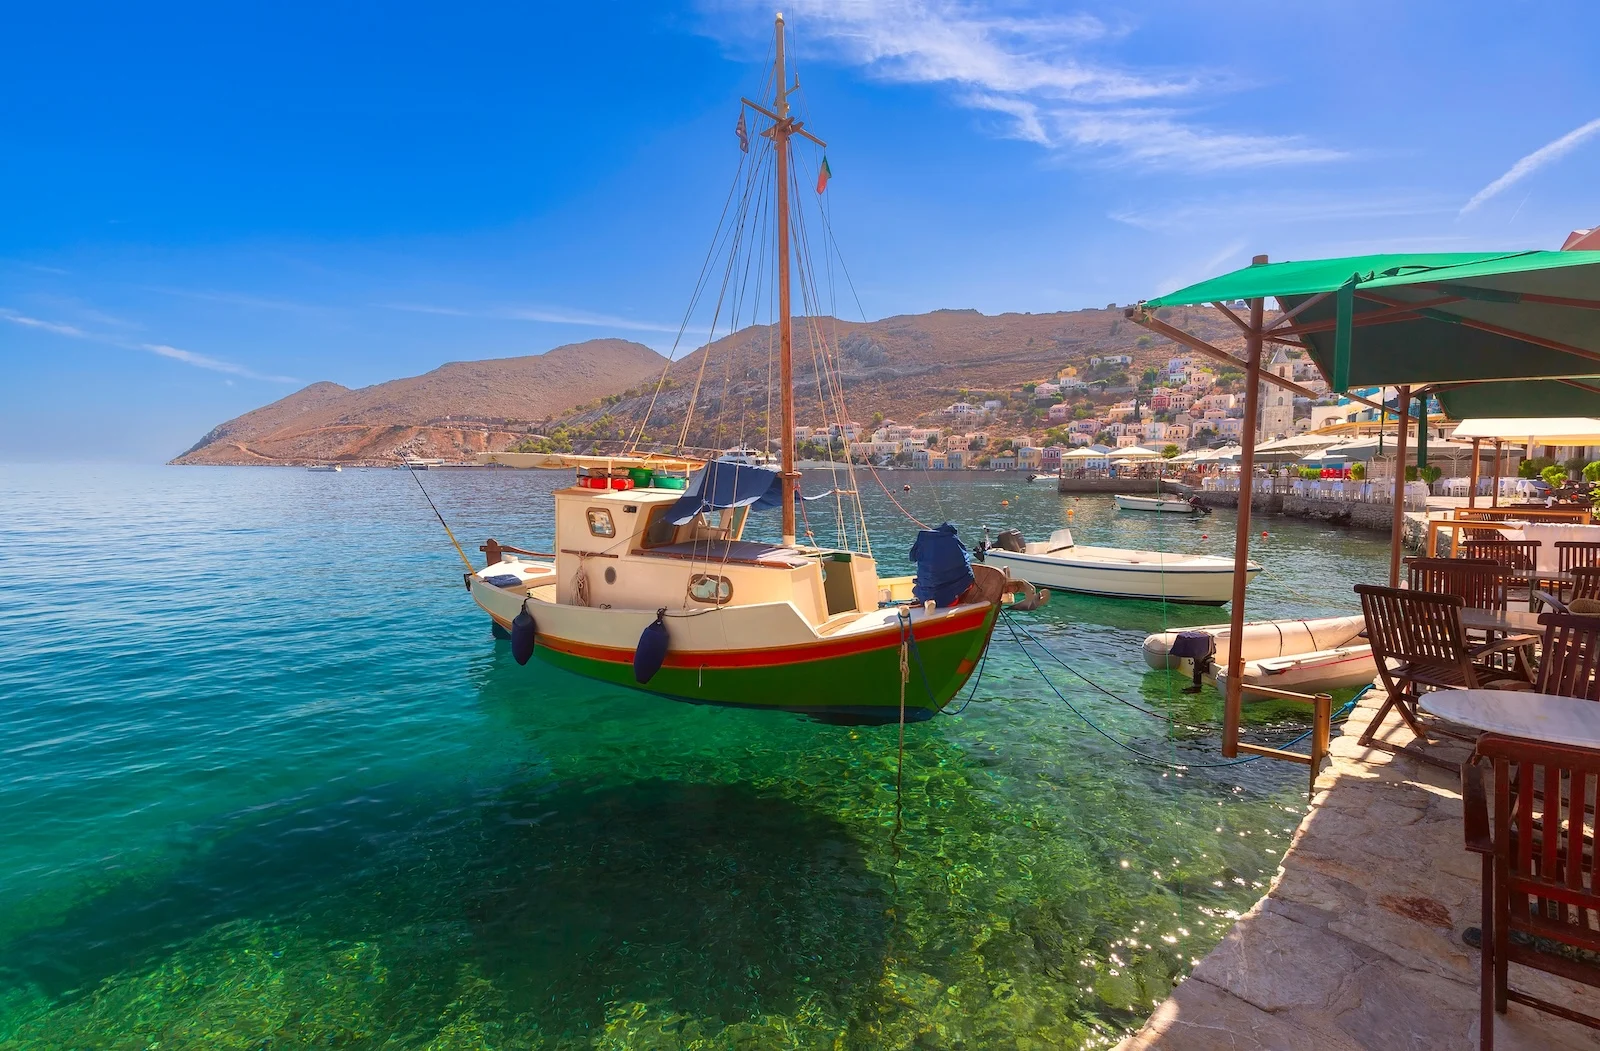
{"x": 1534, "y": 716}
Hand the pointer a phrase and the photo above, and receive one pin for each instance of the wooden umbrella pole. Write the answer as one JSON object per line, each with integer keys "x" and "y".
{"x": 1398, "y": 530}
{"x": 1241, "y": 534}
{"x": 1472, "y": 490}
{"x": 1494, "y": 496}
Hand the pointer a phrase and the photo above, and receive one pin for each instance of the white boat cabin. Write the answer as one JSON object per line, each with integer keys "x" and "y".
{"x": 616, "y": 548}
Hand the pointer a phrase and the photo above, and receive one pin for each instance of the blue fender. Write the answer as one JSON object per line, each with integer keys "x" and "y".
{"x": 523, "y": 632}
{"x": 652, "y": 649}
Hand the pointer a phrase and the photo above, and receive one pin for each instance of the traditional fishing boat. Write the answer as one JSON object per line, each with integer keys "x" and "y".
{"x": 1062, "y": 564}
{"x": 655, "y": 581}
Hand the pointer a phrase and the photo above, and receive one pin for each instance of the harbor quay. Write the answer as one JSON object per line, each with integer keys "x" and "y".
{"x": 1365, "y": 938}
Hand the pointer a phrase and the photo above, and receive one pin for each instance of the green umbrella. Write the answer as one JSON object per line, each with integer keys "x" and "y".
{"x": 1503, "y": 334}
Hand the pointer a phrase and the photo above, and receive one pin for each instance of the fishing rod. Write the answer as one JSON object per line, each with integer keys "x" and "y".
{"x": 464, "y": 559}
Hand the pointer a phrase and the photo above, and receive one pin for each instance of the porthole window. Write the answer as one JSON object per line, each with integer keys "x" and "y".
{"x": 600, "y": 523}
{"x": 711, "y": 589}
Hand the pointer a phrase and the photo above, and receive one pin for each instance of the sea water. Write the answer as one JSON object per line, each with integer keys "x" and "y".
{"x": 270, "y": 781}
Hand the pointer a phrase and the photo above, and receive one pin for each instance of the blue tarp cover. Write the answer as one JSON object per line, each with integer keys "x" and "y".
{"x": 720, "y": 484}
{"x": 943, "y": 568}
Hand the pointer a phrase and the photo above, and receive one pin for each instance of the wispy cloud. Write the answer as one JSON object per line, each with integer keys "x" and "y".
{"x": 1199, "y": 270}
{"x": 1191, "y": 216}
{"x": 188, "y": 357}
{"x": 203, "y": 361}
{"x": 548, "y": 315}
{"x": 48, "y": 326}
{"x": 1039, "y": 73}
{"x": 1539, "y": 158}
{"x": 239, "y": 299}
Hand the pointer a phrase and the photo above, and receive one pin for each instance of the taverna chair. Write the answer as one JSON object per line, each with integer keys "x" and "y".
{"x": 1418, "y": 644}
{"x": 1541, "y": 904}
{"x": 1582, "y": 591}
{"x": 1481, "y": 582}
{"x": 1569, "y": 660}
{"x": 1520, "y": 556}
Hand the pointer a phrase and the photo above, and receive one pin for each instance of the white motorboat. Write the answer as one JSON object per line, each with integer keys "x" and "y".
{"x": 1170, "y": 503}
{"x": 747, "y": 457}
{"x": 325, "y": 468}
{"x": 1307, "y": 656}
{"x": 1116, "y": 572}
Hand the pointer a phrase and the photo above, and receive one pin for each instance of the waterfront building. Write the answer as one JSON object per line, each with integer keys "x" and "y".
{"x": 1277, "y": 403}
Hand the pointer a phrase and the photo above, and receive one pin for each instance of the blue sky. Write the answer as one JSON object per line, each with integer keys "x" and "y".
{"x": 206, "y": 206}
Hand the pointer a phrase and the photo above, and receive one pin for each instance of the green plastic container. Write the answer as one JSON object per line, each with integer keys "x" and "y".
{"x": 642, "y": 476}
{"x": 671, "y": 483}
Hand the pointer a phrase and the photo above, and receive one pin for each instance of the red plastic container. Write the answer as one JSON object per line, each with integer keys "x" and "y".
{"x": 626, "y": 483}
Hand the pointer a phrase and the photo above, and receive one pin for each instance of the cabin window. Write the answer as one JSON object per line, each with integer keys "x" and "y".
{"x": 659, "y": 531}
{"x": 709, "y": 588}
{"x": 600, "y": 523}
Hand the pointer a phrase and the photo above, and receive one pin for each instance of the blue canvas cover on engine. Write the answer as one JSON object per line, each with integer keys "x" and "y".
{"x": 944, "y": 570}
{"x": 720, "y": 484}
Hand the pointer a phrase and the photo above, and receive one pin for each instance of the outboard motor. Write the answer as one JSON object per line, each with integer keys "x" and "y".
{"x": 1011, "y": 540}
{"x": 1199, "y": 647}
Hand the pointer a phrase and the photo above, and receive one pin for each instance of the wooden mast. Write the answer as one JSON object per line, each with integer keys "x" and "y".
{"x": 784, "y": 127}
{"x": 781, "y": 130}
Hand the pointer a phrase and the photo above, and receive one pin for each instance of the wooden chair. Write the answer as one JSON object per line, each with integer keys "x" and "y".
{"x": 1480, "y": 582}
{"x": 1520, "y": 555}
{"x": 1585, "y": 584}
{"x": 1418, "y": 644}
{"x": 1541, "y": 902}
{"x": 1571, "y": 555}
{"x": 1569, "y": 656}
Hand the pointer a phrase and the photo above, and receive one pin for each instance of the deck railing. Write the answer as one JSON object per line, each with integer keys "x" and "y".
{"x": 1321, "y": 730}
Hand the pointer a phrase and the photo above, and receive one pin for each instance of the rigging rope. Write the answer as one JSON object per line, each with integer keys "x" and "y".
{"x": 455, "y": 543}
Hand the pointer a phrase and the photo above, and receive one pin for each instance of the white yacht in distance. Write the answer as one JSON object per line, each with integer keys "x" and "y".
{"x": 328, "y": 468}
{"x": 1115, "y": 572}
{"x": 747, "y": 457}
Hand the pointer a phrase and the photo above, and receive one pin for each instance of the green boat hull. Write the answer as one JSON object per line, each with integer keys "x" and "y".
{"x": 862, "y": 685}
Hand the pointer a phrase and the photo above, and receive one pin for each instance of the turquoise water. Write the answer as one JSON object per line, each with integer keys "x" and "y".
{"x": 270, "y": 782}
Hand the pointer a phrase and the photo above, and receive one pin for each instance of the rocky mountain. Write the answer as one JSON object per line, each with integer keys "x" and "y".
{"x": 907, "y": 367}
{"x": 455, "y": 410}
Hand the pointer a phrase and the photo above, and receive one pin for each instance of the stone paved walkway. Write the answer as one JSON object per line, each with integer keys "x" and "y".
{"x": 1358, "y": 942}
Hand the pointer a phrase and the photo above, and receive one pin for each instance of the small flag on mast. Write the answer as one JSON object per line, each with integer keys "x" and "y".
{"x": 824, "y": 174}
{"x": 743, "y": 133}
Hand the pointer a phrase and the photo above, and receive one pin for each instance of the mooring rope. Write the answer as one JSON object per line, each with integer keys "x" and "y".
{"x": 1344, "y": 710}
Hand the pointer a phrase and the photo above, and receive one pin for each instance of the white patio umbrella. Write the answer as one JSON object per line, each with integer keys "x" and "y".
{"x": 1138, "y": 452}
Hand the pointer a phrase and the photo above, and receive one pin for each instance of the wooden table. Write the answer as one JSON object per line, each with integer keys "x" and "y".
{"x": 1533, "y": 716}
{"x": 1510, "y": 621}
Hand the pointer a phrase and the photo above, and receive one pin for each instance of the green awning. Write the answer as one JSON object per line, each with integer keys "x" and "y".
{"x": 1491, "y": 333}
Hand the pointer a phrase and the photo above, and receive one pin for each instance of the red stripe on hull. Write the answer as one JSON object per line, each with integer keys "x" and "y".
{"x": 762, "y": 658}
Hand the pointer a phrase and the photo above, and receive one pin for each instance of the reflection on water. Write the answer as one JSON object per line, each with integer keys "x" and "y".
{"x": 271, "y": 781}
